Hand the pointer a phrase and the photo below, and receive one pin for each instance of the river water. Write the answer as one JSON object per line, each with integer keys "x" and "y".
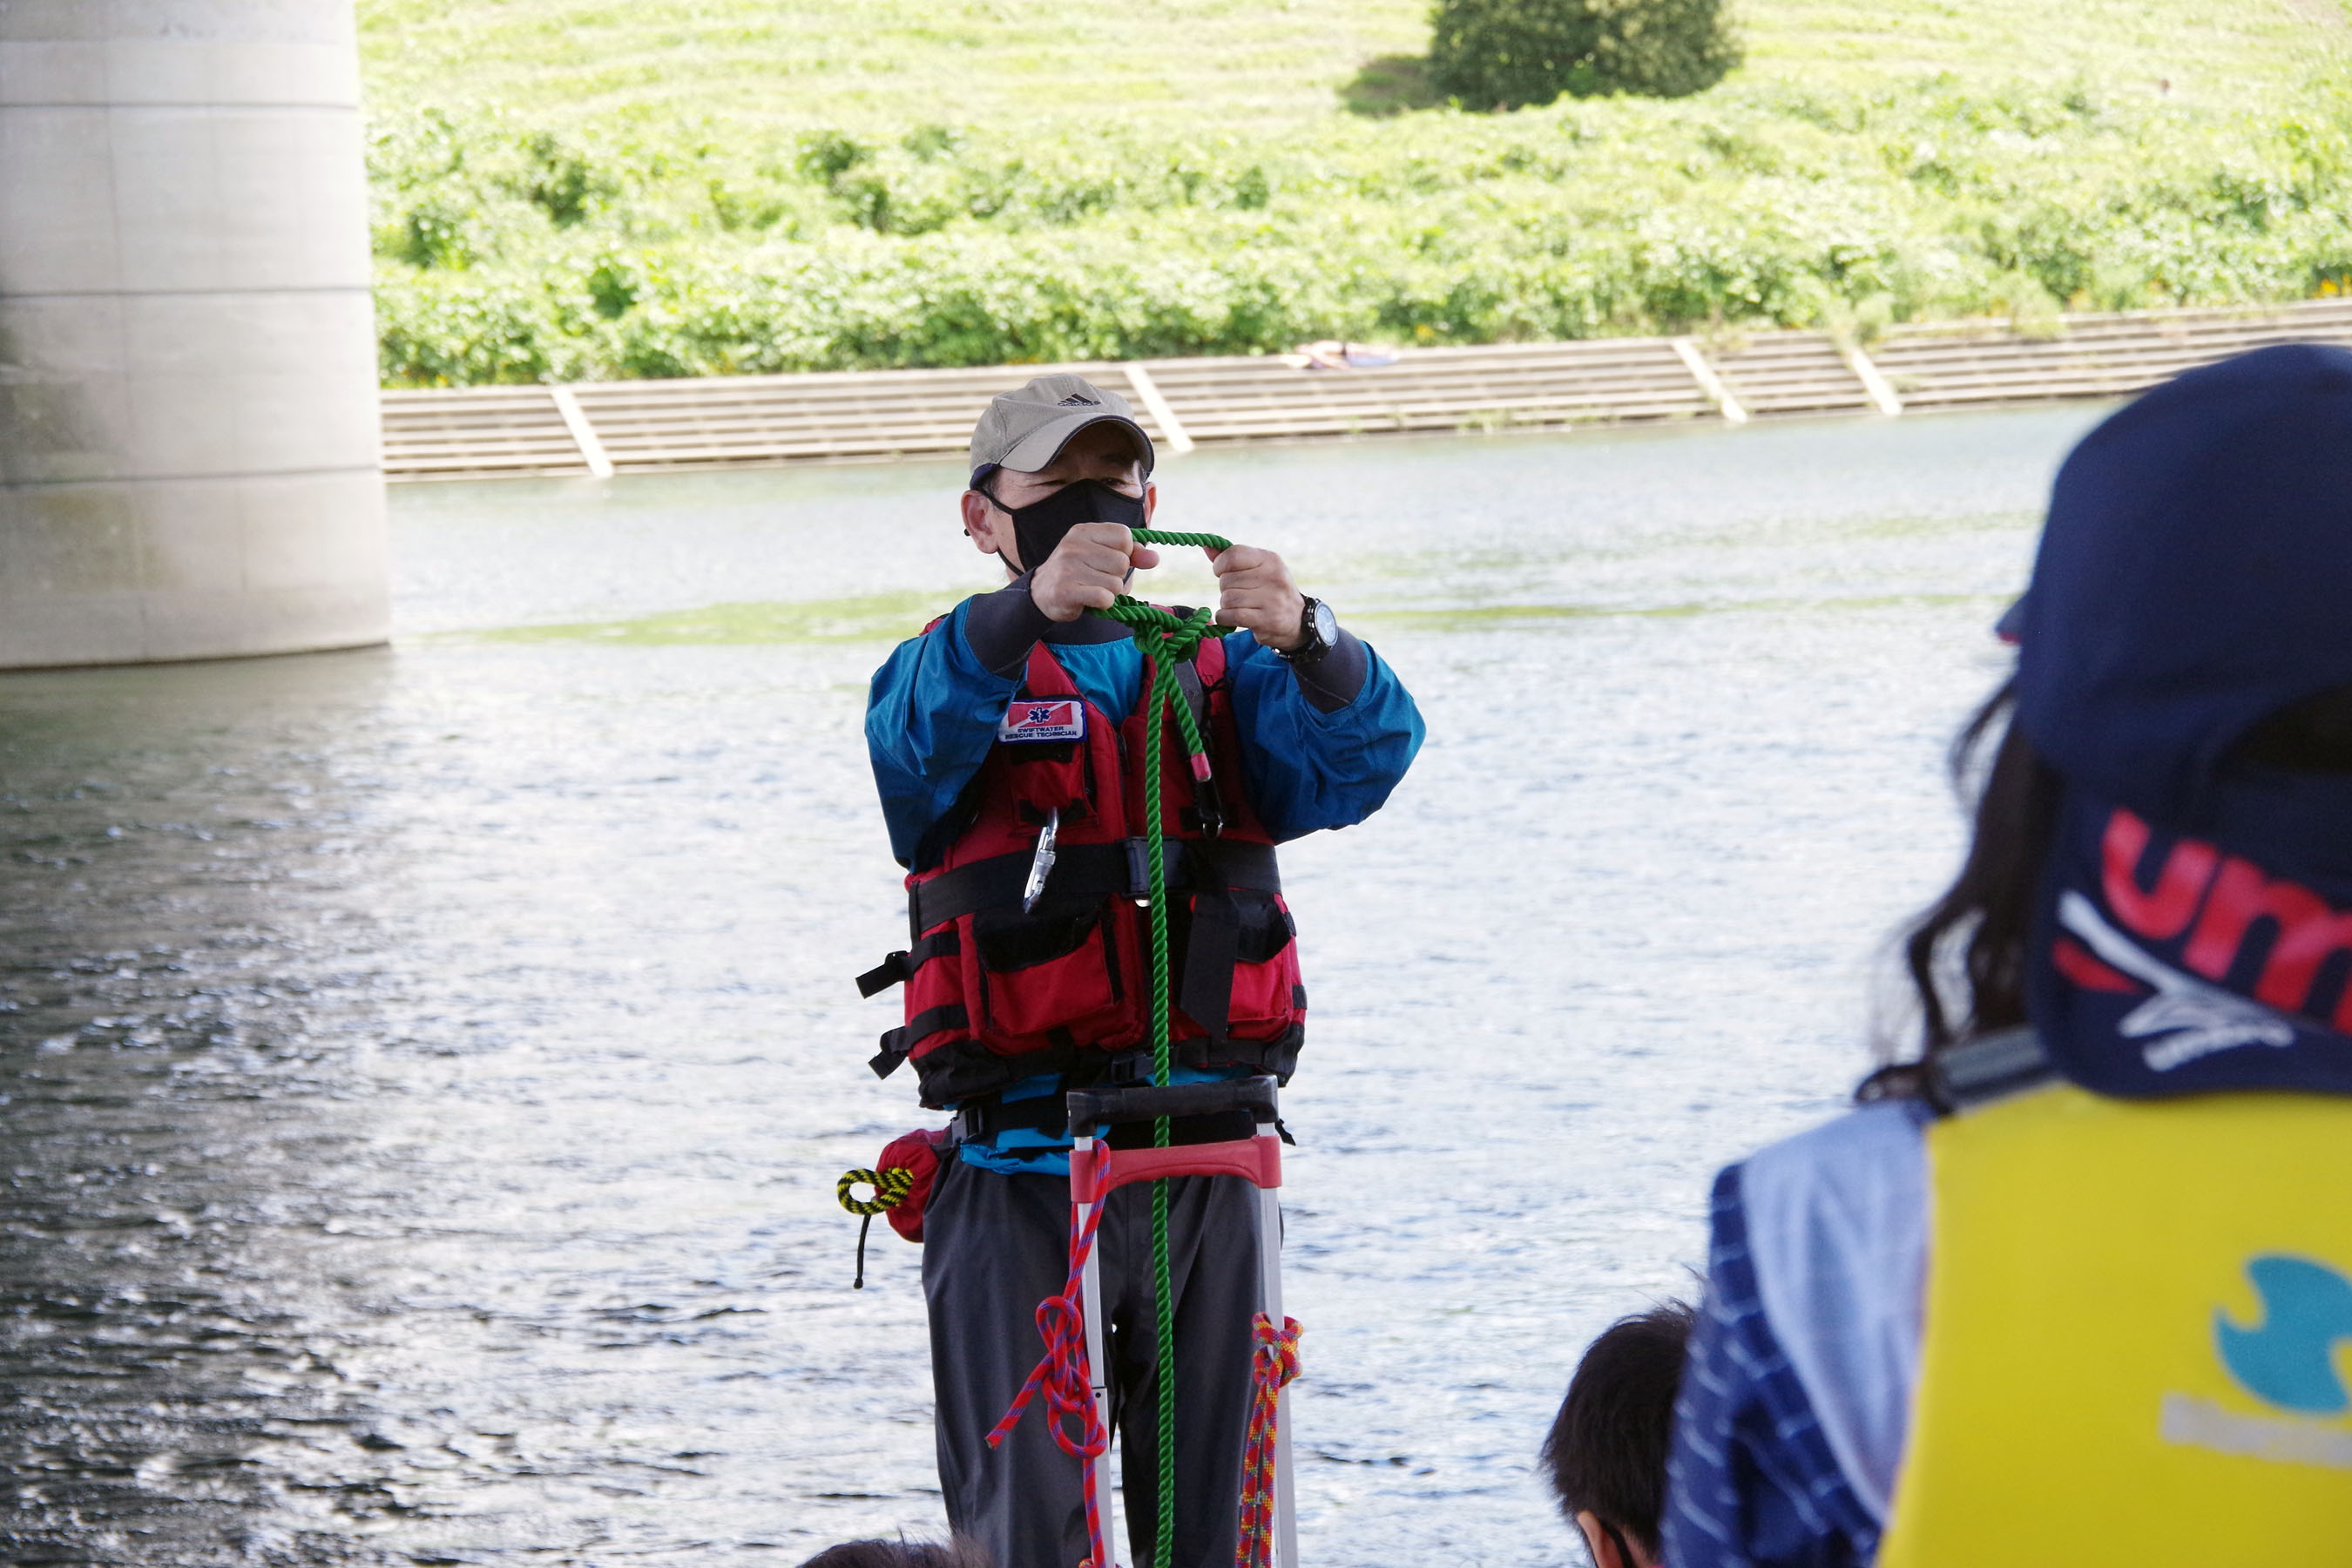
{"x": 424, "y": 1070}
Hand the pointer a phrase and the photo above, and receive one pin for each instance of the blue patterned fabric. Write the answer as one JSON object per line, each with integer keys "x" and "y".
{"x": 1750, "y": 1480}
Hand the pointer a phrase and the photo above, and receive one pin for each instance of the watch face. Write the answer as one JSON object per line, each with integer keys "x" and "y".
{"x": 1327, "y": 625}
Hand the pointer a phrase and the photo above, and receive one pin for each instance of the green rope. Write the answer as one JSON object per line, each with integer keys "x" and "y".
{"x": 1198, "y": 541}
{"x": 1166, "y": 639}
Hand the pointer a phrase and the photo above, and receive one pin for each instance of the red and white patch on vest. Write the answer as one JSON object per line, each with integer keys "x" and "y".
{"x": 1043, "y": 718}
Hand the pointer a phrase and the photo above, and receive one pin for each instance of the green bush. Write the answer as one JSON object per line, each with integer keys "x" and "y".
{"x": 695, "y": 250}
{"x": 1510, "y": 54}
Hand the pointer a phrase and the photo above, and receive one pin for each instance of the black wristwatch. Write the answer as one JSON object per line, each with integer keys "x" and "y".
{"x": 1318, "y": 630}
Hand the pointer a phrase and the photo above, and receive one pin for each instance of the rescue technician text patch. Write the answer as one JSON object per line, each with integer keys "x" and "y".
{"x": 1054, "y": 719}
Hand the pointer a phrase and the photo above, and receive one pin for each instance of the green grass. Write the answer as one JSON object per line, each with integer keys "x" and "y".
{"x": 1250, "y": 65}
{"x": 569, "y": 189}
{"x": 880, "y": 66}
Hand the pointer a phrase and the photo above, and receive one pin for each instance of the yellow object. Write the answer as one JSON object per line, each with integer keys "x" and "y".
{"x": 890, "y": 1189}
{"x": 2137, "y": 1320}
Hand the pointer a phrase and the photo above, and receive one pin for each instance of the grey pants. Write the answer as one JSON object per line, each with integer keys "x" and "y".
{"x": 995, "y": 1246}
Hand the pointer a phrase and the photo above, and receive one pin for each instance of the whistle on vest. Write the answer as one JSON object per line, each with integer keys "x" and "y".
{"x": 1041, "y": 864}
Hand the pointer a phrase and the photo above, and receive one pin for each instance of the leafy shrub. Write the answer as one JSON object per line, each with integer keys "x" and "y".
{"x": 433, "y": 233}
{"x": 561, "y": 182}
{"x": 1510, "y": 54}
{"x": 698, "y": 250}
{"x": 829, "y": 155}
{"x": 1390, "y": 84}
{"x": 613, "y": 287}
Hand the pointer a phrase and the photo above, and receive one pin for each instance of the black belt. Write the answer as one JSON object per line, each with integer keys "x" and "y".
{"x": 977, "y": 1121}
{"x": 1200, "y": 1112}
{"x": 1085, "y": 873}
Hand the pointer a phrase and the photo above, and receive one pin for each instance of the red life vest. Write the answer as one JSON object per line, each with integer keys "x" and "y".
{"x": 995, "y": 996}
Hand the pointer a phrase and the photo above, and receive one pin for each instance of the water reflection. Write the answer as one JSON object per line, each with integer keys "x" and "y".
{"x": 426, "y": 1070}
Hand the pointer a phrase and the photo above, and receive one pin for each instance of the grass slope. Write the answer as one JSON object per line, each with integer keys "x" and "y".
{"x": 581, "y": 187}
{"x": 1240, "y": 65}
{"x": 881, "y": 65}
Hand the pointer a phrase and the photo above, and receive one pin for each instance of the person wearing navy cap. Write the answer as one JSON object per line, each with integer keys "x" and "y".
{"x": 1009, "y": 742}
{"x": 2075, "y": 1284}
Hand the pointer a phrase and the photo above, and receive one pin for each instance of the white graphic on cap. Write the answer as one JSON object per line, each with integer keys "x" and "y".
{"x": 2195, "y": 1019}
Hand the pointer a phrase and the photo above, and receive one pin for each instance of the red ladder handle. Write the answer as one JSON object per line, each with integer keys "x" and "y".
{"x": 1096, "y": 1171}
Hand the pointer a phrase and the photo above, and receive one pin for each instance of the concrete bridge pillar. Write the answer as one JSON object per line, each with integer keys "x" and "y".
{"x": 190, "y": 463}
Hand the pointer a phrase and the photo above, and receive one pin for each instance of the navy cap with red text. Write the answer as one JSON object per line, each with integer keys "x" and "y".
{"x": 2193, "y": 928}
{"x": 2195, "y": 575}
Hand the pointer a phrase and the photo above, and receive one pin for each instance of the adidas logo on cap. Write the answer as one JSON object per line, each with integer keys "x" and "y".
{"x": 1025, "y": 428}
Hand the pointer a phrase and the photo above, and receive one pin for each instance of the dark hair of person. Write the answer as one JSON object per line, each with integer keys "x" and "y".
{"x": 956, "y": 1554}
{"x": 2312, "y": 736}
{"x": 1966, "y": 955}
{"x": 1606, "y": 1452}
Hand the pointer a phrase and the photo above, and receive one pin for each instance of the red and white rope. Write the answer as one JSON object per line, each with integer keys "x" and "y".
{"x": 1273, "y": 1364}
{"x": 1061, "y": 1376}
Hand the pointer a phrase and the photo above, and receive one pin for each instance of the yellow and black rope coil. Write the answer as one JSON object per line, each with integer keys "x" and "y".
{"x": 890, "y": 1189}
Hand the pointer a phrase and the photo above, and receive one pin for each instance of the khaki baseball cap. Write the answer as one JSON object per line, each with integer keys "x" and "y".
{"x": 1025, "y": 429}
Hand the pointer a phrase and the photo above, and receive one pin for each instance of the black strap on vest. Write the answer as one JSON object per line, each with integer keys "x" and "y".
{"x": 1991, "y": 1067}
{"x": 1208, "y": 804}
{"x": 1196, "y": 696}
{"x": 1206, "y": 990}
{"x": 1085, "y": 873}
{"x": 897, "y": 1043}
{"x": 901, "y": 966}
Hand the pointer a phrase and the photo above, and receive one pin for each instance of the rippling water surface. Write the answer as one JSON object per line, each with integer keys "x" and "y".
{"x": 424, "y": 1070}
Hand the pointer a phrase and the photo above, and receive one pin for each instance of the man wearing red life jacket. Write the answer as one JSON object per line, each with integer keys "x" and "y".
{"x": 1008, "y": 745}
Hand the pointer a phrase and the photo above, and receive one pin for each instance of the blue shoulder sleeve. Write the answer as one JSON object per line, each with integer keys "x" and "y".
{"x": 931, "y": 717}
{"x": 1308, "y": 769}
{"x": 1750, "y": 1481}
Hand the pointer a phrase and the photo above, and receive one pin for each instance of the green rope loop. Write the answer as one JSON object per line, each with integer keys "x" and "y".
{"x": 1198, "y": 541}
{"x": 1166, "y": 639}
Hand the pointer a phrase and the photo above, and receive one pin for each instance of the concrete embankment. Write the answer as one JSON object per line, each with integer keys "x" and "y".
{"x": 640, "y": 427}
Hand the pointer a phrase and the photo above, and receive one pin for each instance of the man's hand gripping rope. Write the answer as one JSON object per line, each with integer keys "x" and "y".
{"x": 1166, "y": 639}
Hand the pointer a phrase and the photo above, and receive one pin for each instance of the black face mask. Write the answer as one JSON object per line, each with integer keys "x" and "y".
{"x": 1038, "y": 527}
